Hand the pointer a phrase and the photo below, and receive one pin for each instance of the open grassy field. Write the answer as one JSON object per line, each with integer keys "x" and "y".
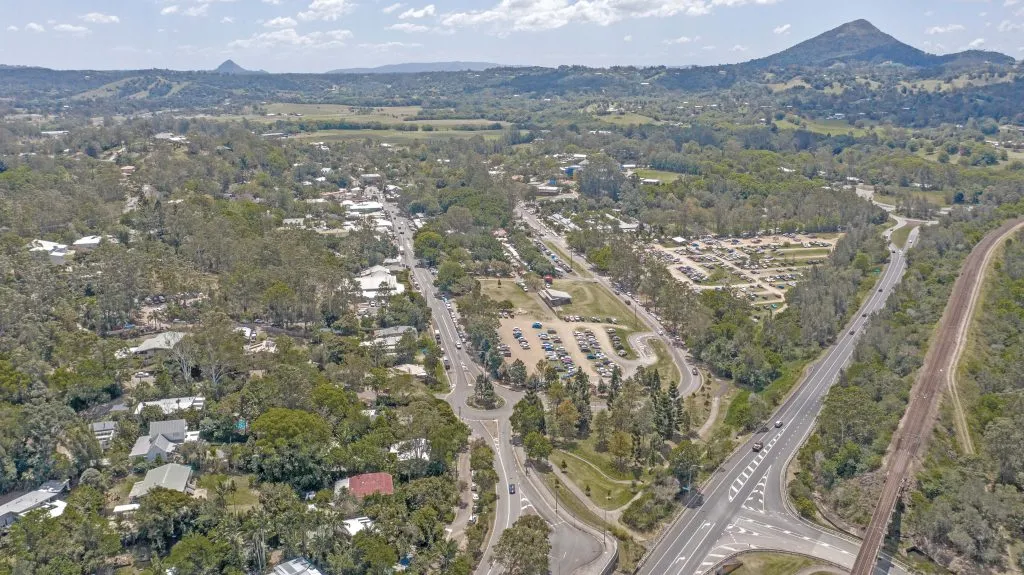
{"x": 763, "y": 563}
{"x": 604, "y": 492}
{"x": 508, "y": 290}
{"x": 336, "y": 111}
{"x": 627, "y": 119}
{"x": 804, "y": 252}
{"x": 665, "y": 177}
{"x": 397, "y": 136}
{"x": 240, "y": 496}
{"x": 591, "y": 299}
{"x": 665, "y": 366}
{"x": 834, "y": 127}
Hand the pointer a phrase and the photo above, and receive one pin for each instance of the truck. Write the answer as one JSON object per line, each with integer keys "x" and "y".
{"x": 447, "y": 362}
{"x": 437, "y": 336}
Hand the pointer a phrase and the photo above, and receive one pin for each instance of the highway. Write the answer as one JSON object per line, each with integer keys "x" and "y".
{"x": 745, "y": 505}
{"x": 689, "y": 383}
{"x": 575, "y": 548}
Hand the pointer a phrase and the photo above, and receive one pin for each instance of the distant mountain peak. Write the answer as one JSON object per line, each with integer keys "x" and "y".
{"x": 419, "y": 67}
{"x": 230, "y": 67}
{"x": 861, "y": 42}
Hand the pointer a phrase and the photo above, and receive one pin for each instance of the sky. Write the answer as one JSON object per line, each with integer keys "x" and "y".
{"x": 322, "y": 35}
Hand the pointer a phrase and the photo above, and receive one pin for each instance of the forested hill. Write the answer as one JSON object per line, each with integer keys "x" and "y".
{"x": 860, "y": 42}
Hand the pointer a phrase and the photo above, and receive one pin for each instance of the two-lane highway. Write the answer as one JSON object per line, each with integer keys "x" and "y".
{"x": 745, "y": 505}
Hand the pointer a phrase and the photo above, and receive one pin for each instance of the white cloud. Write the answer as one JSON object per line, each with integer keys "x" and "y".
{"x": 98, "y": 18}
{"x": 682, "y": 40}
{"x": 12, "y": 28}
{"x": 943, "y": 29}
{"x": 627, "y": 38}
{"x": 708, "y": 48}
{"x": 976, "y": 43}
{"x": 427, "y": 10}
{"x": 533, "y": 15}
{"x": 227, "y": 20}
{"x": 33, "y": 27}
{"x": 71, "y": 29}
{"x": 385, "y": 46}
{"x": 326, "y": 10}
{"x": 1009, "y": 3}
{"x": 289, "y": 37}
{"x": 1007, "y": 26}
{"x": 937, "y": 47}
{"x": 408, "y": 27}
{"x": 172, "y": 9}
{"x": 194, "y": 11}
{"x": 281, "y": 22}
{"x": 274, "y": 2}
{"x": 982, "y": 14}
{"x": 738, "y": 48}
{"x": 391, "y": 8}
{"x": 784, "y": 29}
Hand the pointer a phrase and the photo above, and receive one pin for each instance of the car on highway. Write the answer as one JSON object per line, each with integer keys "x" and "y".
{"x": 694, "y": 371}
{"x": 778, "y": 423}
{"x": 458, "y": 344}
{"x": 758, "y": 446}
{"x": 852, "y": 331}
{"x": 511, "y": 488}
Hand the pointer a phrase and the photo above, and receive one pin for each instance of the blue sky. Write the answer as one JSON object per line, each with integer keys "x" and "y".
{"x": 319, "y": 35}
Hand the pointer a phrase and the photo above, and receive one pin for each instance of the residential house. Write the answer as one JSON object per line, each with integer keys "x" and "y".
{"x": 366, "y": 484}
{"x": 171, "y": 476}
{"x": 353, "y": 526}
{"x": 89, "y": 243}
{"x": 160, "y": 342}
{"x": 57, "y": 253}
{"x": 389, "y": 337}
{"x": 298, "y": 566}
{"x": 43, "y": 497}
{"x": 163, "y": 439}
{"x": 104, "y": 432}
{"x": 412, "y": 369}
{"x": 370, "y": 281}
{"x": 412, "y": 449}
{"x": 173, "y": 404}
{"x": 265, "y": 346}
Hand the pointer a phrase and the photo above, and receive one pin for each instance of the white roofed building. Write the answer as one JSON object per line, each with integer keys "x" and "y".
{"x": 370, "y": 281}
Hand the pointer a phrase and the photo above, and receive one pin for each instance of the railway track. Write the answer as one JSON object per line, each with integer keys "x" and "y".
{"x": 926, "y": 395}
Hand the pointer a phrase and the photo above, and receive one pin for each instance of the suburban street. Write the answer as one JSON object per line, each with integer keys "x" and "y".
{"x": 745, "y": 505}
{"x": 572, "y": 546}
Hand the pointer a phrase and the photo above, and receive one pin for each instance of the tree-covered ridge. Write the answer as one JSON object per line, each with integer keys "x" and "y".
{"x": 969, "y": 510}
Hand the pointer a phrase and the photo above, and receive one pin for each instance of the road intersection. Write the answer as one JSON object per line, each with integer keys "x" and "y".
{"x": 745, "y": 506}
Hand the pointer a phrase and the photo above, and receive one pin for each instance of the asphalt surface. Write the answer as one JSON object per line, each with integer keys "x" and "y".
{"x": 689, "y": 383}
{"x": 745, "y": 506}
{"x": 574, "y": 547}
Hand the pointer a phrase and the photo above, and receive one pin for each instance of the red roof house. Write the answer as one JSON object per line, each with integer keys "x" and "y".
{"x": 366, "y": 484}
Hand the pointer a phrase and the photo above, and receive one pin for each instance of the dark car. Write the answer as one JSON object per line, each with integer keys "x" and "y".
{"x": 511, "y": 488}
{"x": 758, "y": 446}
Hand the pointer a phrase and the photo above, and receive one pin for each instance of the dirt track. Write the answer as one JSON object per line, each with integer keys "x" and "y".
{"x": 922, "y": 409}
